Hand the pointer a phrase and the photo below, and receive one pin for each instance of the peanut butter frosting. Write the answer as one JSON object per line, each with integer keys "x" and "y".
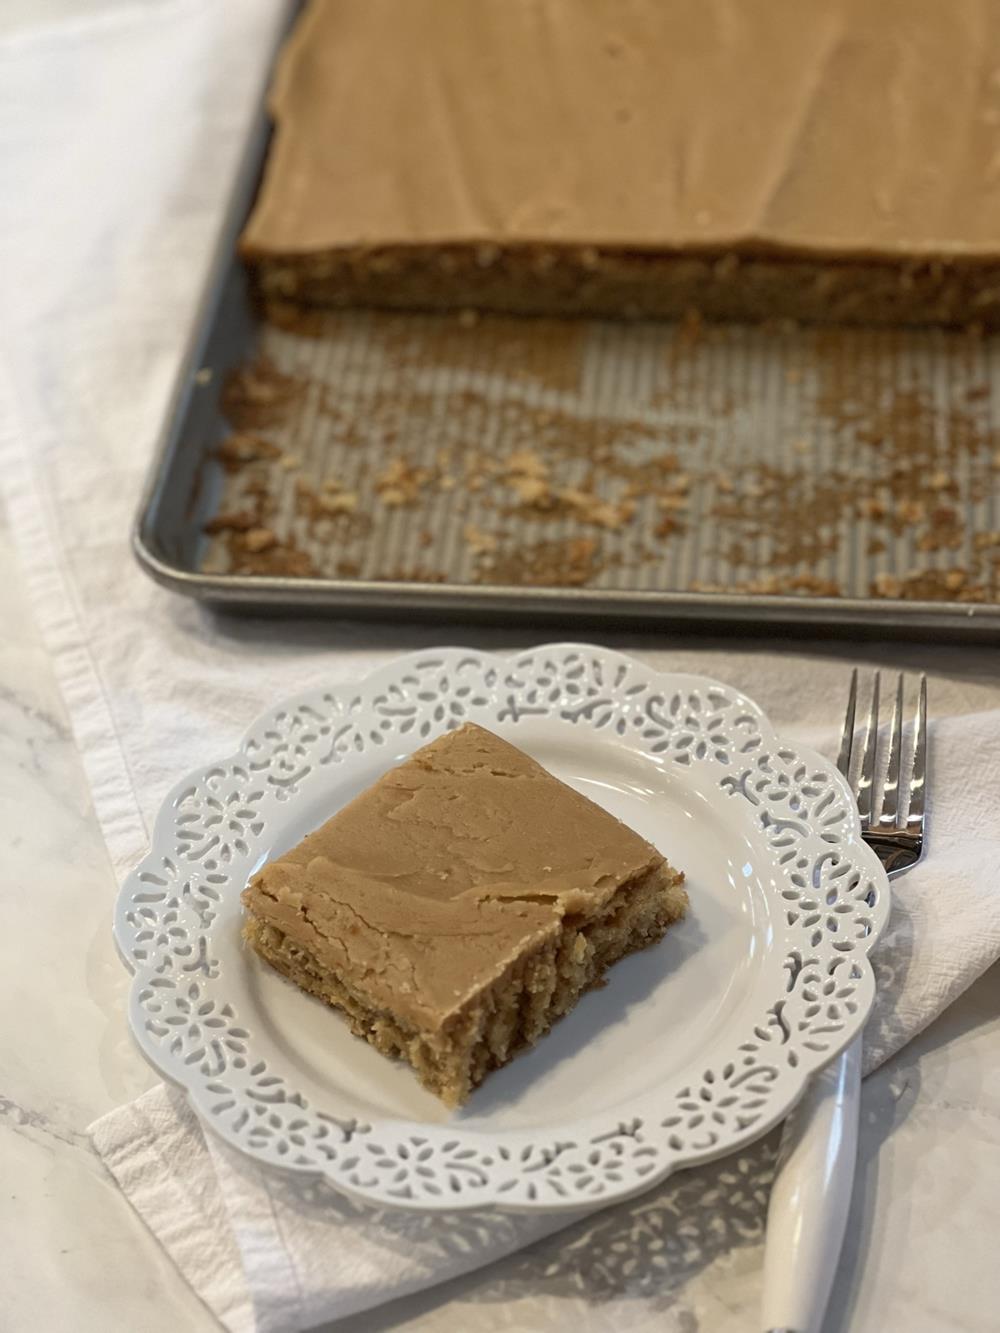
{"x": 851, "y": 127}
{"x": 434, "y": 880}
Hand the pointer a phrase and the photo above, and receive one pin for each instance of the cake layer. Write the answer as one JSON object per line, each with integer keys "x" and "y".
{"x": 721, "y": 285}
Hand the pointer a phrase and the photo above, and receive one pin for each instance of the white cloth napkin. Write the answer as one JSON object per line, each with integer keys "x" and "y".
{"x": 119, "y": 132}
{"x": 270, "y": 1257}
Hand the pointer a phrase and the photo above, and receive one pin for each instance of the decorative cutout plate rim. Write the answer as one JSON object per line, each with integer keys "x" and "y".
{"x": 831, "y": 906}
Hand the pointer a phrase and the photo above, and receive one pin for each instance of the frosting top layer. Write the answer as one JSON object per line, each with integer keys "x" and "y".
{"x": 851, "y": 127}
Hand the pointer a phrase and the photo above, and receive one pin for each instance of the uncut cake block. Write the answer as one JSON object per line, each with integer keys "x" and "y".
{"x": 747, "y": 158}
{"x": 459, "y": 906}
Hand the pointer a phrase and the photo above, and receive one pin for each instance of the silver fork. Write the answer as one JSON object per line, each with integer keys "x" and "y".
{"x": 897, "y": 836}
{"x": 811, "y": 1195}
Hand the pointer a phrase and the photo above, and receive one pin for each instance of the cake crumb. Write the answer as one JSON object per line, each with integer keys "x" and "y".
{"x": 533, "y": 491}
{"x": 911, "y": 511}
{"x": 527, "y": 463}
{"x": 244, "y": 447}
{"x": 259, "y": 394}
{"x": 399, "y": 483}
{"x": 886, "y": 585}
{"x": 590, "y": 508}
{"x": 345, "y": 502}
{"x": 230, "y": 521}
{"x": 259, "y": 539}
{"x": 479, "y": 542}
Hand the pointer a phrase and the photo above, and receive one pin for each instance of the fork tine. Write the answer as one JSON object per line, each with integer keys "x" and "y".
{"x": 918, "y": 781}
{"x": 889, "y": 816}
{"x": 867, "y": 777}
{"x": 847, "y": 735}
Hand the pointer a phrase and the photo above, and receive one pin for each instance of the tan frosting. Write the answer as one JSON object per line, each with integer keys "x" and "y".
{"x": 431, "y": 882}
{"x": 855, "y": 126}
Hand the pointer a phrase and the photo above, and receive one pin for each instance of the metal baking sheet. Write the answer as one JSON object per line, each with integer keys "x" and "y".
{"x": 453, "y": 466}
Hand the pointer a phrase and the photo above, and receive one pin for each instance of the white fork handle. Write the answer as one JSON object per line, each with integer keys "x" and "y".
{"x": 811, "y": 1198}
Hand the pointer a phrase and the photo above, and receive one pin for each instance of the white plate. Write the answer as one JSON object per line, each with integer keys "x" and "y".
{"x": 694, "y": 1047}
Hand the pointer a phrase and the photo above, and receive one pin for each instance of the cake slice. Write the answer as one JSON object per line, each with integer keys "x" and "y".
{"x": 459, "y": 906}
{"x": 832, "y": 162}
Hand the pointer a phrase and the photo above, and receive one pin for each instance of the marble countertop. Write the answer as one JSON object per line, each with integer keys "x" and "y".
{"x": 920, "y": 1254}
